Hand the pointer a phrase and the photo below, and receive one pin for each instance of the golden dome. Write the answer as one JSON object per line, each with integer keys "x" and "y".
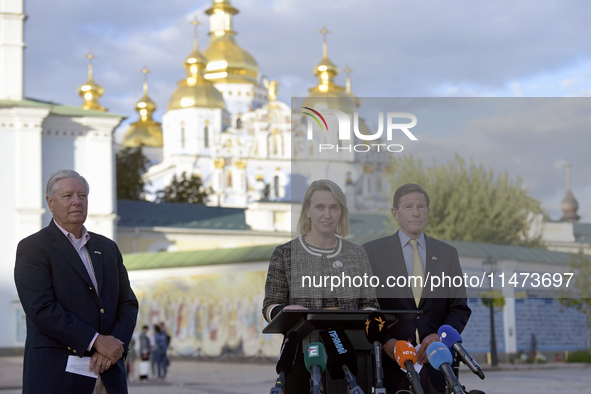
{"x": 336, "y": 96}
{"x": 195, "y": 90}
{"x": 91, "y": 91}
{"x": 227, "y": 62}
{"x": 146, "y": 131}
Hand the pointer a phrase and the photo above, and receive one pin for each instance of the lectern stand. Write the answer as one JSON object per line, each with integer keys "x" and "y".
{"x": 308, "y": 324}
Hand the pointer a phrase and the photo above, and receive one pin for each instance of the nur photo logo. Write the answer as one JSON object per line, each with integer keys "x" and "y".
{"x": 349, "y": 130}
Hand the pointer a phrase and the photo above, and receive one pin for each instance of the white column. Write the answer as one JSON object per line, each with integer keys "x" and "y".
{"x": 21, "y": 205}
{"x": 509, "y": 319}
{"x": 11, "y": 49}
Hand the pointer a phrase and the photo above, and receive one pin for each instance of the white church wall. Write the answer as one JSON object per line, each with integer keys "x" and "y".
{"x": 20, "y": 204}
{"x": 85, "y": 145}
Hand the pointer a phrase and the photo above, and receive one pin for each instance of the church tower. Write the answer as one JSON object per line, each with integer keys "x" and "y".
{"x": 569, "y": 204}
{"x": 38, "y": 138}
{"x": 195, "y": 118}
{"x": 234, "y": 71}
{"x": 91, "y": 91}
{"x": 11, "y": 49}
{"x": 146, "y": 132}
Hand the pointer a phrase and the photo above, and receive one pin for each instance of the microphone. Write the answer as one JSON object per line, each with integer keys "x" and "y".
{"x": 375, "y": 332}
{"x": 342, "y": 361}
{"x": 406, "y": 357}
{"x": 440, "y": 358}
{"x": 453, "y": 340}
{"x": 287, "y": 355}
{"x": 315, "y": 360}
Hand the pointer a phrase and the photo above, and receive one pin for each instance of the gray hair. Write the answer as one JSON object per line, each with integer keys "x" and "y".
{"x": 63, "y": 174}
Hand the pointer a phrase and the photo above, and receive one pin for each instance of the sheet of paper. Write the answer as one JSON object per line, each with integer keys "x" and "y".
{"x": 79, "y": 366}
{"x": 418, "y": 366}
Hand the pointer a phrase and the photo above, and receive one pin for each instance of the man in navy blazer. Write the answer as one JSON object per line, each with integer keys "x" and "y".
{"x": 76, "y": 295}
{"x": 393, "y": 257}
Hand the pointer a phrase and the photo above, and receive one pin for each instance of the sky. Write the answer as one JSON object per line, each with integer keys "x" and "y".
{"x": 459, "y": 48}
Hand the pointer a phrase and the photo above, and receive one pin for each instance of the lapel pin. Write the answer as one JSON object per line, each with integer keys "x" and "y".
{"x": 97, "y": 252}
{"x": 433, "y": 258}
{"x": 337, "y": 264}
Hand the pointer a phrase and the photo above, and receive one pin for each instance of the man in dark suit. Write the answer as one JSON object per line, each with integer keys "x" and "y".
{"x": 76, "y": 296}
{"x": 397, "y": 257}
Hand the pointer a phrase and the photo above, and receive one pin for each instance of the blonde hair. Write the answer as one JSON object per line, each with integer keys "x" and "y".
{"x": 304, "y": 224}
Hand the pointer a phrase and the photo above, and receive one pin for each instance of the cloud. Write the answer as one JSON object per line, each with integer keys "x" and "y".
{"x": 397, "y": 48}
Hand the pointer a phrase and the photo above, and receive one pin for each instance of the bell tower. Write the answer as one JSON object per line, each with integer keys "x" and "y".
{"x": 11, "y": 49}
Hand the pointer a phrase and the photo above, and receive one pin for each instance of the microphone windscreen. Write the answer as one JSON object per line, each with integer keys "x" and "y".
{"x": 404, "y": 351}
{"x": 375, "y": 327}
{"x": 315, "y": 355}
{"x": 289, "y": 350}
{"x": 438, "y": 354}
{"x": 340, "y": 351}
{"x": 449, "y": 335}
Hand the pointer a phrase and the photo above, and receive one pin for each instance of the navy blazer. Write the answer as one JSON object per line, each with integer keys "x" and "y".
{"x": 64, "y": 311}
{"x": 443, "y": 305}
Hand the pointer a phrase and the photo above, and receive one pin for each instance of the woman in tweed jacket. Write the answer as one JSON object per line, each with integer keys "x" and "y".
{"x": 303, "y": 272}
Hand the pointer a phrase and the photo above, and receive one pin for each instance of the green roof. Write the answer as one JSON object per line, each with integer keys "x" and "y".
{"x": 364, "y": 228}
{"x": 258, "y": 253}
{"x": 57, "y": 109}
{"x": 196, "y": 258}
{"x": 179, "y": 215}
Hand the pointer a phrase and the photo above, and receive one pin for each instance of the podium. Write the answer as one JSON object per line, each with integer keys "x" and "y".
{"x": 308, "y": 324}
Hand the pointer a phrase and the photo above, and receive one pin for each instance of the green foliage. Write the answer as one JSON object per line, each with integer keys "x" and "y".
{"x": 578, "y": 295}
{"x": 131, "y": 164}
{"x": 469, "y": 202}
{"x": 187, "y": 190}
{"x": 580, "y": 356}
{"x": 494, "y": 296}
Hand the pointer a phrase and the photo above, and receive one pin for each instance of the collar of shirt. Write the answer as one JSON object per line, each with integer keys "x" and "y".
{"x": 407, "y": 250}
{"x": 78, "y": 243}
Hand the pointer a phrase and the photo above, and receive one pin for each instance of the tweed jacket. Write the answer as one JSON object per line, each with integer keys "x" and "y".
{"x": 300, "y": 274}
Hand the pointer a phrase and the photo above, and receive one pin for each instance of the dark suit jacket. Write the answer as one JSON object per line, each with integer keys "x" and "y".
{"x": 441, "y": 306}
{"x": 64, "y": 311}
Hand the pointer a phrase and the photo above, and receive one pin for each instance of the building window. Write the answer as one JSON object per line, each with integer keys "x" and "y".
{"x": 276, "y": 186}
{"x": 182, "y": 135}
{"x": 229, "y": 180}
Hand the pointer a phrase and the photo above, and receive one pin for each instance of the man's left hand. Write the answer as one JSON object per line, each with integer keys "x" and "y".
{"x": 99, "y": 363}
{"x": 422, "y": 355}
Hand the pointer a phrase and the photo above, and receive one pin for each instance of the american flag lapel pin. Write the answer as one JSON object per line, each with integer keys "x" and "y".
{"x": 97, "y": 252}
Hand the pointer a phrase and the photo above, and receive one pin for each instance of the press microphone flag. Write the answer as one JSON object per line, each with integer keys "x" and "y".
{"x": 287, "y": 355}
{"x": 375, "y": 332}
{"x": 406, "y": 357}
{"x": 441, "y": 359}
{"x": 315, "y": 360}
{"x": 375, "y": 327}
{"x": 342, "y": 361}
{"x": 453, "y": 340}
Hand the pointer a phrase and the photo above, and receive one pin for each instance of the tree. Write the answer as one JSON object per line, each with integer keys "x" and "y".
{"x": 469, "y": 202}
{"x": 131, "y": 164}
{"x": 578, "y": 294}
{"x": 187, "y": 189}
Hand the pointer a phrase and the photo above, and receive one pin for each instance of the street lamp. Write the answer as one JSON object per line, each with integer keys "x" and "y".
{"x": 490, "y": 266}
